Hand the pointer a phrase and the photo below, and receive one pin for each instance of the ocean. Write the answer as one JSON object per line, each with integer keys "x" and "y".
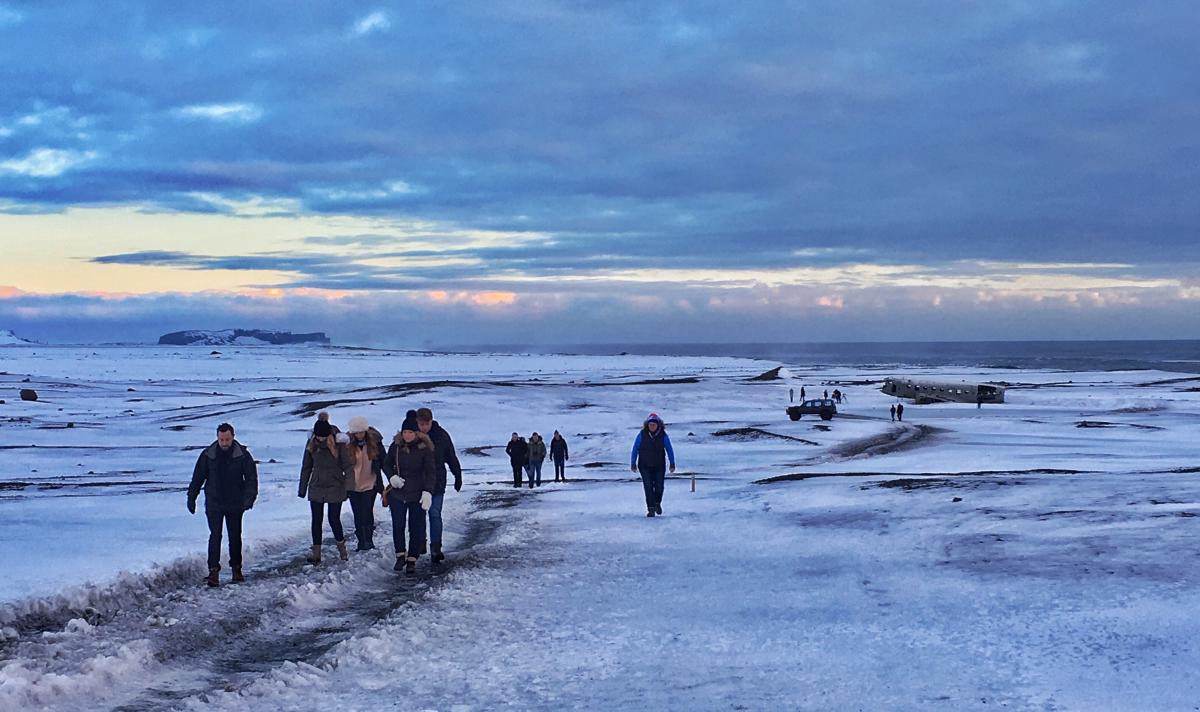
{"x": 1174, "y": 356}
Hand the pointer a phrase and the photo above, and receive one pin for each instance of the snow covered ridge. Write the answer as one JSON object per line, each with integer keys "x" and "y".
{"x": 240, "y": 337}
{"x": 8, "y": 338}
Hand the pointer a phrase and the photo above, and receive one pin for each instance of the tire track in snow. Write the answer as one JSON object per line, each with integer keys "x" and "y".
{"x": 191, "y": 640}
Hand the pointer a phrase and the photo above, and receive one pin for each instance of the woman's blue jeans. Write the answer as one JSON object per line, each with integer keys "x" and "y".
{"x": 412, "y": 512}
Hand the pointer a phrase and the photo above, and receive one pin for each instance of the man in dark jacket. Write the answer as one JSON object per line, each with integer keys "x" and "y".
{"x": 558, "y": 453}
{"x": 229, "y": 477}
{"x": 443, "y": 457}
{"x": 518, "y": 455}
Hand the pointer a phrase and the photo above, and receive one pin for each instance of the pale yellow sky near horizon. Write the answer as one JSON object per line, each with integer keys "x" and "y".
{"x": 52, "y": 253}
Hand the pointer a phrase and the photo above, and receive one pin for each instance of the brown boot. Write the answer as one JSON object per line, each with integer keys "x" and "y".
{"x": 237, "y": 575}
{"x": 342, "y": 553}
{"x": 410, "y": 566}
{"x": 315, "y": 556}
{"x": 213, "y": 581}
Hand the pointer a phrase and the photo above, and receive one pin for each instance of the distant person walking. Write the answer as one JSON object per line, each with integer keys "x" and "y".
{"x": 323, "y": 481}
{"x": 225, "y": 470}
{"x": 802, "y": 393}
{"x": 837, "y": 396}
{"x": 537, "y": 455}
{"x": 558, "y": 453}
{"x": 366, "y": 454}
{"x": 826, "y": 396}
{"x": 443, "y": 457}
{"x": 900, "y": 411}
{"x": 893, "y": 410}
{"x": 651, "y": 452}
{"x": 518, "y": 455}
{"x": 409, "y": 494}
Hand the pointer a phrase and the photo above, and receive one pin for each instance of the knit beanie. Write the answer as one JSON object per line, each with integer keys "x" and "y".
{"x": 322, "y": 429}
{"x": 410, "y": 423}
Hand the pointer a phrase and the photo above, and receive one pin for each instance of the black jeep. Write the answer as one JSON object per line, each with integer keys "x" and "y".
{"x": 823, "y": 407}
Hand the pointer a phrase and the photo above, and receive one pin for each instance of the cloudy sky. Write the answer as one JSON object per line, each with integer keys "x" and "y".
{"x": 558, "y": 172}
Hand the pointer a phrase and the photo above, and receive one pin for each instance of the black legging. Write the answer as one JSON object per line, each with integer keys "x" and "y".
{"x": 362, "y": 504}
{"x": 517, "y": 469}
{"x": 335, "y": 521}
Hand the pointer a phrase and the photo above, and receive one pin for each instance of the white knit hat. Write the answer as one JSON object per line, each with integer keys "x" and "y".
{"x": 358, "y": 424}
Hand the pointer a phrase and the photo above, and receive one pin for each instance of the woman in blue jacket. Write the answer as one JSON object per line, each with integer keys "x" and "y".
{"x": 651, "y": 453}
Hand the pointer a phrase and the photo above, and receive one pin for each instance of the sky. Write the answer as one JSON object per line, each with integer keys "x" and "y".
{"x": 530, "y": 172}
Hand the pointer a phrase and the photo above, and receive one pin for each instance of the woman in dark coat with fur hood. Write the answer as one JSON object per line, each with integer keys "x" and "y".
{"x": 411, "y": 478}
{"x": 323, "y": 480}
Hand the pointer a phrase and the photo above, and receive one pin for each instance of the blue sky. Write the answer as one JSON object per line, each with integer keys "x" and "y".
{"x": 421, "y": 172}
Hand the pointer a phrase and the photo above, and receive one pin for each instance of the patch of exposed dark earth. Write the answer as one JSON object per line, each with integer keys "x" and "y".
{"x": 747, "y": 434}
{"x": 1106, "y": 424}
{"x": 933, "y": 479}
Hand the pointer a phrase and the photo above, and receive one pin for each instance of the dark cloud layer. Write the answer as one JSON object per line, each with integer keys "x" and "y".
{"x": 949, "y": 146}
{"x": 723, "y": 131}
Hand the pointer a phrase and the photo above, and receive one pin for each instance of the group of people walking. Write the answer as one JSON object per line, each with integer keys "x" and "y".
{"x": 527, "y": 457}
{"x": 409, "y": 476}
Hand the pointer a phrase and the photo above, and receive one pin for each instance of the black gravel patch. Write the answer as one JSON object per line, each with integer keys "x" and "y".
{"x": 758, "y": 434}
{"x": 799, "y": 476}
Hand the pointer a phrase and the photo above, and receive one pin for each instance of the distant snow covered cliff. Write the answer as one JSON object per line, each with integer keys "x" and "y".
{"x": 7, "y": 338}
{"x": 240, "y": 337}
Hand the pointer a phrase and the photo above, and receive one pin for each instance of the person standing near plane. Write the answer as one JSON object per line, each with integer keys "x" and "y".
{"x": 900, "y": 411}
{"x": 893, "y": 410}
{"x": 651, "y": 452}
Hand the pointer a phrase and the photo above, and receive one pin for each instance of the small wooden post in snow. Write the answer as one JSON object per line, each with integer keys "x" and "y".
{"x": 693, "y": 480}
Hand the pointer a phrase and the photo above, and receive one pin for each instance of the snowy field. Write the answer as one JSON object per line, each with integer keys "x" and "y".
{"x": 1043, "y": 554}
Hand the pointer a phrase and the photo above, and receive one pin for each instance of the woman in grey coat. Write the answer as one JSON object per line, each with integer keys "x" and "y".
{"x": 323, "y": 479}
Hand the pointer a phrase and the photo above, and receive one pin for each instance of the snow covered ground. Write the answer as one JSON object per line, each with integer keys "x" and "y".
{"x": 1033, "y": 555}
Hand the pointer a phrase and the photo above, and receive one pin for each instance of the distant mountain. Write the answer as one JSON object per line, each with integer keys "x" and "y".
{"x": 240, "y": 337}
{"x": 7, "y": 338}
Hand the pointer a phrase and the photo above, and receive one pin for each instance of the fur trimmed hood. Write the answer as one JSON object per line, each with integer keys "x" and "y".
{"x": 422, "y": 440}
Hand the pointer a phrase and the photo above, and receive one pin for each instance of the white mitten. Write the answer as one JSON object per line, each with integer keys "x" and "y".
{"x": 396, "y": 481}
{"x": 426, "y": 501}
{"x": 342, "y": 439}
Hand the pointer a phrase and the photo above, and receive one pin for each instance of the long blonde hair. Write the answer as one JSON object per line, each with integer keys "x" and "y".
{"x": 330, "y": 440}
{"x": 374, "y": 445}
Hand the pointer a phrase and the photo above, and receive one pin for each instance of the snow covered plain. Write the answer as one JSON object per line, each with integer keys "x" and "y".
{"x": 1035, "y": 555}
